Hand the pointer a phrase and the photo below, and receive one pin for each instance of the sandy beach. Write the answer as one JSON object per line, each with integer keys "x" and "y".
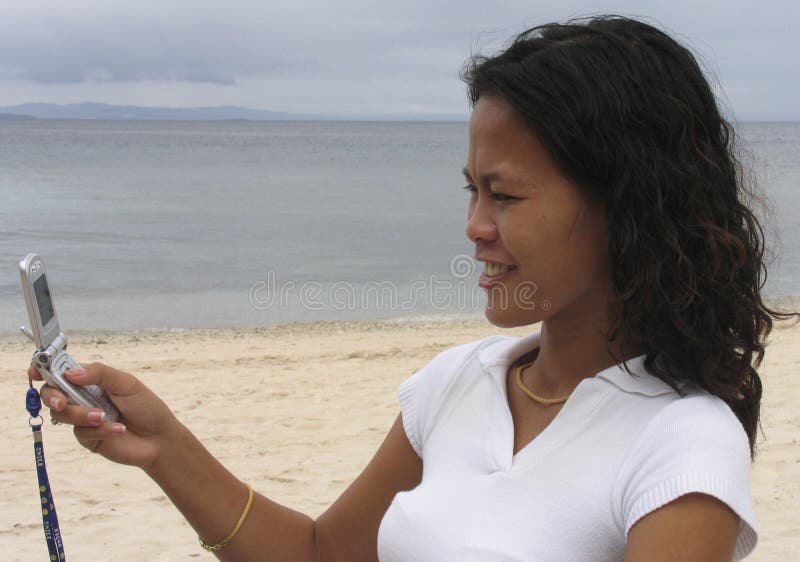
{"x": 297, "y": 410}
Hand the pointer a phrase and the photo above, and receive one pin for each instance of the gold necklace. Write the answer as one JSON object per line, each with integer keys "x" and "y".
{"x": 532, "y": 394}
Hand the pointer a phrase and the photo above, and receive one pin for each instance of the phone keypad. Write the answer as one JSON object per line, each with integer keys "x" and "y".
{"x": 92, "y": 394}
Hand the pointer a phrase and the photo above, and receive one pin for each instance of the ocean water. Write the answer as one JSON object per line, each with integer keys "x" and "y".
{"x": 208, "y": 224}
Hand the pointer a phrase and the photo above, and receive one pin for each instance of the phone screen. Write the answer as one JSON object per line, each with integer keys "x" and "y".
{"x": 42, "y": 291}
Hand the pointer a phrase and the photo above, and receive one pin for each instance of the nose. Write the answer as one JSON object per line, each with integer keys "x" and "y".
{"x": 480, "y": 223}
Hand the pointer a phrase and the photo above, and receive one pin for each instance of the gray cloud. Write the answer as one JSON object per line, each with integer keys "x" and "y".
{"x": 120, "y": 43}
{"x": 222, "y": 47}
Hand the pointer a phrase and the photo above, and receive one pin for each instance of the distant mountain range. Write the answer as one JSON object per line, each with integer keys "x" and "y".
{"x": 14, "y": 117}
{"x": 90, "y": 110}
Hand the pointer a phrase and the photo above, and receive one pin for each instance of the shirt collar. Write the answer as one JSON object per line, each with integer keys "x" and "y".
{"x": 501, "y": 352}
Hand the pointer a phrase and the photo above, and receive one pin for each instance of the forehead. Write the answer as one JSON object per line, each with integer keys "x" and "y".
{"x": 494, "y": 117}
{"x": 501, "y": 142}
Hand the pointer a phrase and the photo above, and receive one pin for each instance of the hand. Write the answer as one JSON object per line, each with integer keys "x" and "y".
{"x": 149, "y": 423}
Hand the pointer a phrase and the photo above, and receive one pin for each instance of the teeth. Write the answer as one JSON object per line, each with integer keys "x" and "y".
{"x": 495, "y": 269}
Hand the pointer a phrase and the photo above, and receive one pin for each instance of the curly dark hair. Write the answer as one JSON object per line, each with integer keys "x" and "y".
{"x": 627, "y": 114}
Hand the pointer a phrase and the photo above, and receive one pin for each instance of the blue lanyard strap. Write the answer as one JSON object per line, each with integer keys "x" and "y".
{"x": 52, "y": 533}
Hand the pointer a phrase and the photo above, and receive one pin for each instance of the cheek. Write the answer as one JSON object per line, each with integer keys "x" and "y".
{"x": 542, "y": 237}
{"x": 555, "y": 253}
{"x": 594, "y": 235}
{"x": 588, "y": 230}
{"x": 586, "y": 252}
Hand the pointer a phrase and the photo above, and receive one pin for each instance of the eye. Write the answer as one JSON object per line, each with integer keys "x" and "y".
{"x": 497, "y": 196}
{"x": 503, "y": 197}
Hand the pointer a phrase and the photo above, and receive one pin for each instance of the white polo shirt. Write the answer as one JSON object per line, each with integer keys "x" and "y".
{"x": 619, "y": 448}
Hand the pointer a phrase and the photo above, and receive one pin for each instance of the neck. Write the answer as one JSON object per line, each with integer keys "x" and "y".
{"x": 570, "y": 351}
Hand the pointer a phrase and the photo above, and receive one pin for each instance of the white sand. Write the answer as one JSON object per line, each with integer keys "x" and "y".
{"x": 296, "y": 410}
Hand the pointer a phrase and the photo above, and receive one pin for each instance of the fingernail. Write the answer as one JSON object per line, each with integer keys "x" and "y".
{"x": 118, "y": 428}
{"x": 76, "y": 372}
{"x": 53, "y": 402}
{"x": 96, "y": 416}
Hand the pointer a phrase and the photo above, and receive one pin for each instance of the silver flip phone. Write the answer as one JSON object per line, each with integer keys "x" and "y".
{"x": 51, "y": 358}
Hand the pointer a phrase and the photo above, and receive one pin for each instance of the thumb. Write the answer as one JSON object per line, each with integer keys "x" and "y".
{"x": 111, "y": 380}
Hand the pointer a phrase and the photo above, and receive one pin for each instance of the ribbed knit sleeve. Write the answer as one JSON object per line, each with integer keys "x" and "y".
{"x": 695, "y": 444}
{"x": 421, "y": 394}
{"x": 409, "y": 412}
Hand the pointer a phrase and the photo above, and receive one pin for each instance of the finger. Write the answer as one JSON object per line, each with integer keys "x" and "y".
{"x": 109, "y": 379}
{"x": 88, "y": 441}
{"x": 33, "y": 374}
{"x": 80, "y": 415}
{"x": 90, "y": 437}
{"x": 53, "y": 398}
{"x": 91, "y": 444}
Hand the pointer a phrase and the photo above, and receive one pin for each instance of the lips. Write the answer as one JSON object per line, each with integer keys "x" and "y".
{"x": 494, "y": 269}
{"x": 494, "y": 273}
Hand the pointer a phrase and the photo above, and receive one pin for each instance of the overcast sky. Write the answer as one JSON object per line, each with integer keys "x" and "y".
{"x": 352, "y": 56}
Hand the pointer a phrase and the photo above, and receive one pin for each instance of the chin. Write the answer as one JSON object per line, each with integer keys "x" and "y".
{"x": 506, "y": 318}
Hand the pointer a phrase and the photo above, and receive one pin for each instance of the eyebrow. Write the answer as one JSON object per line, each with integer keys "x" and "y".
{"x": 487, "y": 179}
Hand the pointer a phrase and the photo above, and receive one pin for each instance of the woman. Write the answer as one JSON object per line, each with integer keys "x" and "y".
{"x": 606, "y": 204}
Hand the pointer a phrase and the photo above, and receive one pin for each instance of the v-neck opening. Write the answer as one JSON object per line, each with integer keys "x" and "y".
{"x": 543, "y": 437}
{"x": 553, "y": 434}
{"x": 510, "y": 418}
{"x": 497, "y": 359}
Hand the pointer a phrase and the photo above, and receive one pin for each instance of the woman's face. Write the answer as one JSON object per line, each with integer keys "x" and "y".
{"x": 544, "y": 245}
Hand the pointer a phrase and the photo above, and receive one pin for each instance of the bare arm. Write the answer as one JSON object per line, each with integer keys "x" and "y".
{"x": 694, "y": 527}
{"x": 211, "y": 498}
{"x": 348, "y": 530}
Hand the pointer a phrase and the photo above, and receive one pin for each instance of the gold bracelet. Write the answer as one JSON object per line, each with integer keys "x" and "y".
{"x": 221, "y": 544}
